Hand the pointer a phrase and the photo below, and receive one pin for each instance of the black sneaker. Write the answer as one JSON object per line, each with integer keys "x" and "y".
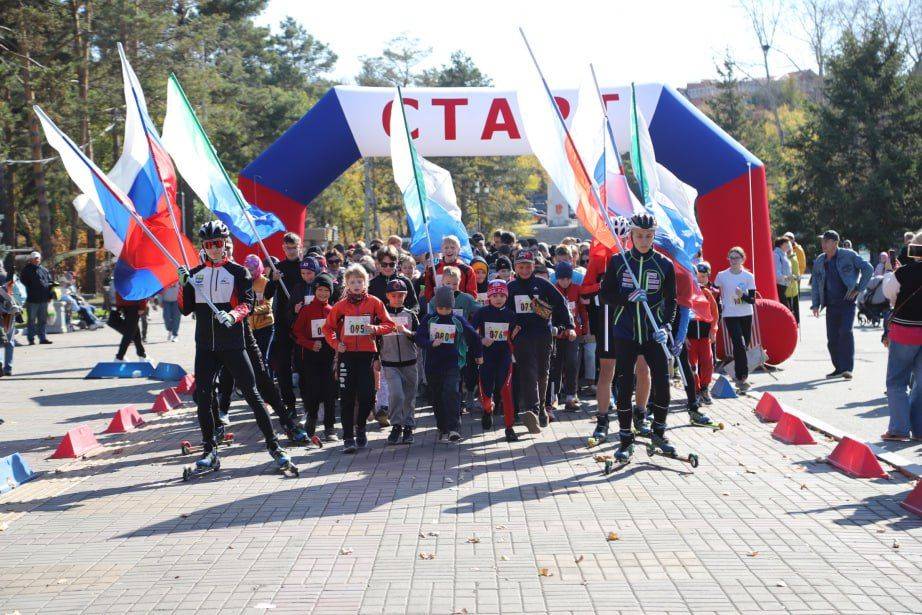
{"x": 454, "y": 436}
{"x": 835, "y": 374}
{"x": 349, "y": 446}
{"x": 511, "y": 436}
{"x": 706, "y": 397}
{"x": 486, "y": 421}
{"x": 361, "y": 440}
{"x": 847, "y": 375}
{"x": 394, "y": 436}
{"x": 542, "y": 417}
{"x": 408, "y": 435}
{"x": 46, "y": 342}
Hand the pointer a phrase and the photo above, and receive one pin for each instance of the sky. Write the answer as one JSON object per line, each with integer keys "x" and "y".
{"x": 669, "y": 41}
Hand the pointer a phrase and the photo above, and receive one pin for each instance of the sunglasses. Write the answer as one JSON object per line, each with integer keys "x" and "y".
{"x": 703, "y": 270}
{"x": 386, "y": 264}
{"x": 334, "y": 261}
{"x": 210, "y": 244}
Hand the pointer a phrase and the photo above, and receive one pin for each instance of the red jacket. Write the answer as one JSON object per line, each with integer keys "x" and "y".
{"x": 468, "y": 279}
{"x": 595, "y": 271}
{"x": 380, "y": 321}
{"x": 578, "y": 311}
{"x": 301, "y": 329}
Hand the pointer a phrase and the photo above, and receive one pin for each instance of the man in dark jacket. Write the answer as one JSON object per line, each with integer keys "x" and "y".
{"x": 37, "y": 281}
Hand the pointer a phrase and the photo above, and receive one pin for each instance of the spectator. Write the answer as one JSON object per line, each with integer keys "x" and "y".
{"x": 131, "y": 314}
{"x": 783, "y": 274}
{"x": 883, "y": 264}
{"x": 839, "y": 275}
{"x": 10, "y": 308}
{"x": 798, "y": 252}
{"x": 169, "y": 297}
{"x": 904, "y": 342}
{"x": 737, "y": 288}
{"x": 38, "y": 283}
{"x": 903, "y": 259}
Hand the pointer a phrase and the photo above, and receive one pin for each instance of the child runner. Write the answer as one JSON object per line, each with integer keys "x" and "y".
{"x": 451, "y": 249}
{"x": 465, "y": 306}
{"x": 481, "y": 271}
{"x": 737, "y": 296}
{"x": 565, "y": 361}
{"x": 635, "y": 335}
{"x": 494, "y": 322}
{"x": 313, "y": 359}
{"x": 446, "y": 336}
{"x": 398, "y": 357}
{"x": 701, "y": 335}
{"x": 350, "y": 329}
{"x": 219, "y": 337}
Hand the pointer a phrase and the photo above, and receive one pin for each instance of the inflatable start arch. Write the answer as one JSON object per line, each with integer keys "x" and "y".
{"x": 349, "y": 123}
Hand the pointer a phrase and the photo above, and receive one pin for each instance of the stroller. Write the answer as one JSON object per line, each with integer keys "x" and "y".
{"x": 872, "y": 305}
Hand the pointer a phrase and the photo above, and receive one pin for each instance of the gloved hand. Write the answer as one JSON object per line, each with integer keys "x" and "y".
{"x": 638, "y": 295}
{"x": 661, "y": 336}
{"x": 676, "y": 348}
{"x": 183, "y": 274}
{"x": 225, "y": 318}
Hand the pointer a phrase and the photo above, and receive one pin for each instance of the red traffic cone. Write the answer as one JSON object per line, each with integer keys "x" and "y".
{"x": 856, "y": 459}
{"x": 125, "y": 419}
{"x": 165, "y": 401}
{"x": 186, "y": 385}
{"x": 173, "y": 395}
{"x": 792, "y": 430}
{"x": 76, "y": 442}
{"x": 913, "y": 501}
{"x": 769, "y": 409}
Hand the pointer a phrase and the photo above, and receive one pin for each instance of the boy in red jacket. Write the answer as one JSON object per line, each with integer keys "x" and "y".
{"x": 350, "y": 329}
{"x": 565, "y": 360}
{"x": 313, "y": 358}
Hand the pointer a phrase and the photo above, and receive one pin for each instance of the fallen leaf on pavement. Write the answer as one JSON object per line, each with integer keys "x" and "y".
{"x": 505, "y": 558}
{"x": 544, "y": 572}
{"x": 433, "y": 533}
{"x": 602, "y": 458}
{"x": 753, "y": 553}
{"x": 612, "y": 536}
{"x": 803, "y": 486}
{"x": 184, "y": 515}
{"x": 881, "y": 530}
{"x": 896, "y": 544}
{"x": 421, "y": 535}
{"x": 579, "y": 559}
{"x": 427, "y": 556}
{"x": 781, "y": 584}
{"x": 473, "y": 540}
{"x": 449, "y": 479}
{"x": 725, "y": 493}
{"x": 500, "y": 527}
{"x": 345, "y": 551}
{"x": 459, "y": 612}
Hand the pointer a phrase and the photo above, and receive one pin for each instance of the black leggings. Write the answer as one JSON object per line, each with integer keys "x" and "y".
{"x": 626, "y": 353}
{"x": 264, "y": 384}
{"x": 282, "y": 348}
{"x": 130, "y": 333}
{"x": 315, "y": 379}
{"x": 739, "y": 329}
{"x": 356, "y": 391}
{"x": 207, "y": 364}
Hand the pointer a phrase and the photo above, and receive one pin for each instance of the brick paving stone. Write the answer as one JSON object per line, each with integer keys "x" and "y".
{"x": 759, "y": 527}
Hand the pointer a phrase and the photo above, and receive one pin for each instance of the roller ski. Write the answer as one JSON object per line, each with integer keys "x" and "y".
{"x": 300, "y": 437}
{"x": 698, "y": 419}
{"x": 283, "y": 462}
{"x": 659, "y": 445}
{"x": 221, "y": 437}
{"x": 622, "y": 457}
{"x": 208, "y": 463}
{"x": 600, "y": 435}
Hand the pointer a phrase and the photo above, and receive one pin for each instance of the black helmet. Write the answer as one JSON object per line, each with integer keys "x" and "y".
{"x": 643, "y": 220}
{"x": 215, "y": 229}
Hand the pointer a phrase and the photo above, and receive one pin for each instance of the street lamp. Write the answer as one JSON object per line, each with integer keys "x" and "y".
{"x": 480, "y": 188}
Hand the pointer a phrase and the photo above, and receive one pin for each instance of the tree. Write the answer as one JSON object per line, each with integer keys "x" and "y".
{"x": 764, "y": 16}
{"x": 855, "y": 165}
{"x": 727, "y": 108}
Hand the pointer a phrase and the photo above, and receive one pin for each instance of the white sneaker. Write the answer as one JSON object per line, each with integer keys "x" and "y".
{"x": 117, "y": 360}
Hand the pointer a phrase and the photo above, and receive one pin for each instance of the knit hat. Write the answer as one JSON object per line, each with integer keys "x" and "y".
{"x": 444, "y": 297}
{"x": 254, "y": 265}
{"x": 396, "y": 286}
{"x": 497, "y": 287}
{"x": 311, "y": 264}
{"x": 503, "y": 262}
{"x": 479, "y": 262}
{"x": 563, "y": 269}
{"x": 324, "y": 280}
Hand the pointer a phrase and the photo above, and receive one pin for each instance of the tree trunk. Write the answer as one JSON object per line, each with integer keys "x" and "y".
{"x": 35, "y": 142}
{"x": 82, "y": 52}
{"x": 771, "y": 96}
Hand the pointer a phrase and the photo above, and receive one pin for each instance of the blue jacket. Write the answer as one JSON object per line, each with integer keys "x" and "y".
{"x": 854, "y": 271}
{"x": 446, "y": 357}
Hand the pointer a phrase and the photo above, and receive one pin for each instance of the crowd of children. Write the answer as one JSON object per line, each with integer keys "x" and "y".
{"x": 520, "y": 330}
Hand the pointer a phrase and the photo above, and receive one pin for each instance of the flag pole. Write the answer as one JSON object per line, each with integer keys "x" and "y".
{"x": 419, "y": 192}
{"x": 169, "y": 205}
{"x": 592, "y": 186}
{"x": 237, "y": 195}
{"x": 117, "y": 193}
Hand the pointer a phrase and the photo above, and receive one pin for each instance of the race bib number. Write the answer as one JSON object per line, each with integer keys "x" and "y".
{"x": 496, "y": 331}
{"x": 482, "y": 298}
{"x": 402, "y": 321}
{"x": 571, "y": 305}
{"x": 307, "y": 299}
{"x": 445, "y": 333}
{"x": 317, "y": 327}
{"x": 523, "y": 304}
{"x": 356, "y": 325}
{"x": 457, "y": 312}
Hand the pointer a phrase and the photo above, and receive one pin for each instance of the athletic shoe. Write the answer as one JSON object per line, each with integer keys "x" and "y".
{"x": 543, "y": 418}
{"x": 743, "y": 385}
{"x": 117, "y": 360}
{"x": 381, "y": 417}
{"x": 454, "y": 436}
{"x": 572, "y": 405}
{"x": 224, "y": 417}
{"x": 835, "y": 374}
{"x": 893, "y": 437}
{"x": 394, "y": 436}
{"x": 486, "y": 421}
{"x": 349, "y": 447}
{"x": 407, "y": 435}
{"x": 847, "y": 375}
{"x": 7, "y": 371}
{"x": 511, "y": 436}
{"x": 550, "y": 415}
{"x": 361, "y": 440}
{"x": 329, "y": 435}
{"x": 46, "y": 342}
{"x": 530, "y": 420}
{"x": 706, "y": 397}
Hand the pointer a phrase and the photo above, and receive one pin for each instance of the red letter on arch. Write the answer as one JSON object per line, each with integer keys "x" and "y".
{"x": 564, "y": 105}
{"x": 500, "y": 119}
{"x": 451, "y": 105}
{"x": 386, "y": 115}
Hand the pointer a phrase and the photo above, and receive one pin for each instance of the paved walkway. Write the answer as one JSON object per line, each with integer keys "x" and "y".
{"x": 484, "y": 527}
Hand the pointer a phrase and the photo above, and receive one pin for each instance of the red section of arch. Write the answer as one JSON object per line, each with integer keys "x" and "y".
{"x": 290, "y": 212}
